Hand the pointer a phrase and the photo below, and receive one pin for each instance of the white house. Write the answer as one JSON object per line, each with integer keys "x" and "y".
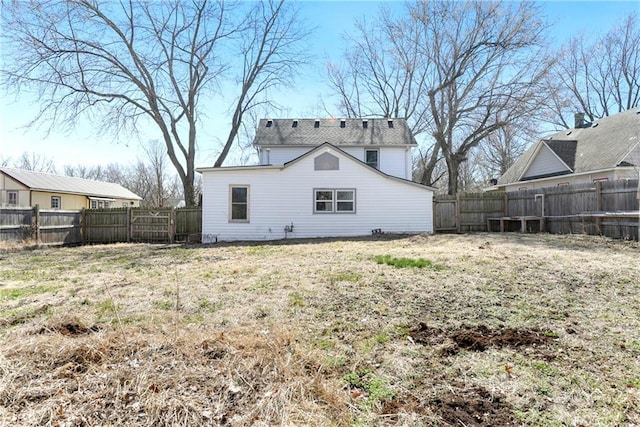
{"x": 319, "y": 178}
{"x": 605, "y": 150}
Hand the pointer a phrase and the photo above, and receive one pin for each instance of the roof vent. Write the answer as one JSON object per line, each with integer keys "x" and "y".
{"x": 316, "y": 124}
{"x": 568, "y": 133}
{"x": 294, "y": 124}
{"x": 269, "y": 123}
{"x": 594, "y": 125}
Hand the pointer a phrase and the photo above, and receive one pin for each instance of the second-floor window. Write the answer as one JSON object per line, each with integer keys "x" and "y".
{"x": 371, "y": 158}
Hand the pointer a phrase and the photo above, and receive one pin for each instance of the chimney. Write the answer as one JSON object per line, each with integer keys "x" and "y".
{"x": 579, "y": 120}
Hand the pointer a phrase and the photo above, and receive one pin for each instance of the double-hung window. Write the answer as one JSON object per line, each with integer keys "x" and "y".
{"x": 334, "y": 200}
{"x": 239, "y": 203}
{"x": 12, "y": 198}
{"x": 371, "y": 158}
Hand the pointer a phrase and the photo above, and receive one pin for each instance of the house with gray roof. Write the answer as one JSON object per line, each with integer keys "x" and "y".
{"x": 23, "y": 188}
{"x": 607, "y": 149}
{"x": 319, "y": 178}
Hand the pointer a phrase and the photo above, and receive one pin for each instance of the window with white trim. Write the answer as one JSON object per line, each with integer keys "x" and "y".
{"x": 239, "y": 203}
{"x": 327, "y": 200}
{"x": 55, "y": 202}
{"x": 12, "y": 198}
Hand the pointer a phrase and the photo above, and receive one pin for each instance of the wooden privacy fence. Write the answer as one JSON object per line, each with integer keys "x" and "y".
{"x": 90, "y": 226}
{"x": 57, "y": 227}
{"x": 142, "y": 225}
{"x": 607, "y": 208}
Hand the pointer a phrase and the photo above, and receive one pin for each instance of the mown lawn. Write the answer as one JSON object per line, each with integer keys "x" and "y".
{"x": 479, "y": 329}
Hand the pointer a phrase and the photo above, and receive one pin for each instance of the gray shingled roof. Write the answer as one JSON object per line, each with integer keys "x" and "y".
{"x": 66, "y": 184}
{"x": 277, "y": 132}
{"x": 607, "y": 143}
{"x": 566, "y": 150}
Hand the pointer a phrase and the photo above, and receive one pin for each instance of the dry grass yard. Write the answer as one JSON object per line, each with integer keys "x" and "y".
{"x": 487, "y": 329}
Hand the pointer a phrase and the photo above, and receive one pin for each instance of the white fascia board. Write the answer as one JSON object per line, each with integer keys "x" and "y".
{"x": 237, "y": 168}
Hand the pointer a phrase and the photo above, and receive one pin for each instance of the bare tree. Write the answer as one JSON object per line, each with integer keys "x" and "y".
{"x": 385, "y": 74}
{"x": 472, "y": 68}
{"x": 35, "y": 162}
{"x": 599, "y": 77}
{"x": 131, "y": 62}
{"x": 502, "y": 148}
{"x": 156, "y": 159}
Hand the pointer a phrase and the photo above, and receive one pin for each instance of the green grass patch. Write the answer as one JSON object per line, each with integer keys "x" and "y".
{"x": 407, "y": 262}
{"x": 296, "y": 300}
{"x": 17, "y": 293}
{"x": 375, "y": 388}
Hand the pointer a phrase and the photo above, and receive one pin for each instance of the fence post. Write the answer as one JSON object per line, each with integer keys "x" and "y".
{"x": 83, "y": 226}
{"x": 599, "y": 206}
{"x": 172, "y": 225}
{"x": 128, "y": 224}
{"x": 458, "y": 212}
{"x": 506, "y": 204}
{"x": 35, "y": 221}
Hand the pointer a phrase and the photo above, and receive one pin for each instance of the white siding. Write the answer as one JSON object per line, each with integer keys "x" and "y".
{"x": 546, "y": 162}
{"x": 281, "y": 197}
{"x": 393, "y": 160}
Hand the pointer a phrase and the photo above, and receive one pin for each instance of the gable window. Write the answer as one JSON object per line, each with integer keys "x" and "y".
{"x": 327, "y": 200}
{"x": 294, "y": 124}
{"x": 269, "y": 123}
{"x": 316, "y": 124}
{"x": 12, "y": 198}
{"x": 55, "y": 202}
{"x": 390, "y": 123}
{"x": 371, "y": 158}
{"x": 343, "y": 123}
{"x": 365, "y": 124}
{"x": 326, "y": 162}
{"x": 239, "y": 203}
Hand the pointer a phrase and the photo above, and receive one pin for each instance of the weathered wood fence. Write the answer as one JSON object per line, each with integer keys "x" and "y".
{"x": 607, "y": 208}
{"x": 50, "y": 226}
{"x": 90, "y": 226}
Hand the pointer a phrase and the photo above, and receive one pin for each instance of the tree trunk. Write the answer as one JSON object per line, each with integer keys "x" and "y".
{"x": 453, "y": 167}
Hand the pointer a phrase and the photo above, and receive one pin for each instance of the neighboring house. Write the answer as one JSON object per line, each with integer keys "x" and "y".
{"x": 22, "y": 188}
{"x": 606, "y": 150}
{"x": 319, "y": 178}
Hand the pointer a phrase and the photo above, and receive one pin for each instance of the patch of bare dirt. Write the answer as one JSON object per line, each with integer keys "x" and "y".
{"x": 481, "y": 337}
{"x": 473, "y": 407}
{"x": 69, "y": 327}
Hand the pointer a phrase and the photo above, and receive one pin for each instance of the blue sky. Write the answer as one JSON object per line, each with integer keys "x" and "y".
{"x": 333, "y": 18}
